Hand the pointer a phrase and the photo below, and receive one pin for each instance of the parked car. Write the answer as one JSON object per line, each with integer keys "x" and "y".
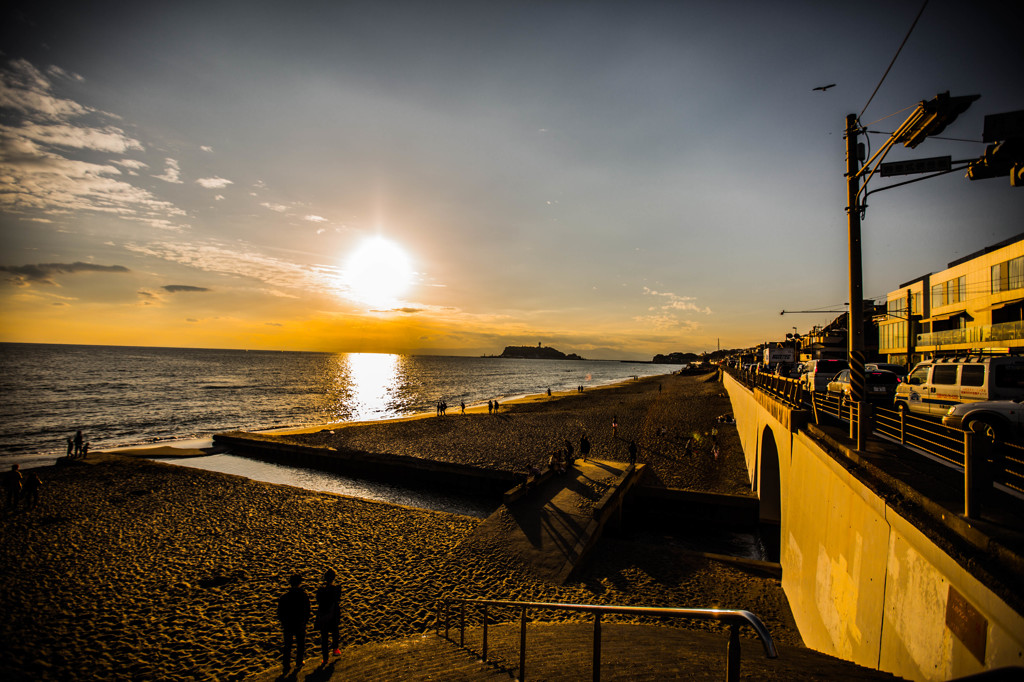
{"x": 817, "y": 373}
{"x": 898, "y": 370}
{"x": 997, "y": 419}
{"x": 879, "y": 385}
{"x": 936, "y": 385}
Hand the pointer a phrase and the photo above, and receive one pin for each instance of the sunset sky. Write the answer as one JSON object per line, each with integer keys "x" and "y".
{"x": 613, "y": 179}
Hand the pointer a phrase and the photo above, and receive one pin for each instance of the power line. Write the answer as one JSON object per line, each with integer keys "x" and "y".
{"x": 905, "y": 38}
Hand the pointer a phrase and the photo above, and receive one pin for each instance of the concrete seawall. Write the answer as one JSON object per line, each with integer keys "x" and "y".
{"x": 449, "y": 476}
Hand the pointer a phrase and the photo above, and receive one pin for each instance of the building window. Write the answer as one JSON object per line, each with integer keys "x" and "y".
{"x": 950, "y": 292}
{"x": 1008, "y": 275}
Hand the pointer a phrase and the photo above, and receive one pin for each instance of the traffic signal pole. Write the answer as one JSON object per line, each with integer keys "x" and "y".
{"x": 855, "y": 333}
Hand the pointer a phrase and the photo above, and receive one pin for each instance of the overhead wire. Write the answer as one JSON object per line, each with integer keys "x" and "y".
{"x": 900, "y": 49}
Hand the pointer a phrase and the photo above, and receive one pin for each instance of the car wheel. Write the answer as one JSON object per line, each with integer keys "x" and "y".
{"x": 984, "y": 428}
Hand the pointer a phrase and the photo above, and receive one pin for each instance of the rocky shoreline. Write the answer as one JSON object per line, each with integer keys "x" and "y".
{"x": 130, "y": 569}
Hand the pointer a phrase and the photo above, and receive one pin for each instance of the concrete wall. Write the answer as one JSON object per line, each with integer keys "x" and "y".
{"x": 865, "y": 584}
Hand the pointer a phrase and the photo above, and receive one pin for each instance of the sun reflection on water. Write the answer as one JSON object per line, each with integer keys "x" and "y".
{"x": 374, "y": 381}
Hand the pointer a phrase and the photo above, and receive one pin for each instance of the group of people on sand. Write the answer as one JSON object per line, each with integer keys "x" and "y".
{"x": 21, "y": 490}
{"x": 293, "y": 611}
{"x": 492, "y": 407}
{"x": 77, "y": 447}
{"x": 561, "y": 460}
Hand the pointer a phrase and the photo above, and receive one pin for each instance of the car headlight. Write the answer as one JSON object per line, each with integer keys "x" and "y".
{"x": 951, "y": 410}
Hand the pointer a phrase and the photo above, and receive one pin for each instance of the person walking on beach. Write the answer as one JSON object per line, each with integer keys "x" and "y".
{"x": 490, "y": 407}
{"x": 584, "y": 446}
{"x": 71, "y": 447}
{"x": 569, "y": 458}
{"x": 328, "y": 614}
{"x": 12, "y": 486}
{"x": 30, "y": 494}
{"x": 463, "y": 406}
{"x": 78, "y": 442}
{"x": 615, "y": 426}
{"x": 633, "y": 449}
{"x": 293, "y": 612}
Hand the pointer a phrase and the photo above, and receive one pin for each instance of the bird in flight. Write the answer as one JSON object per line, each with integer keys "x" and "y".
{"x": 823, "y": 88}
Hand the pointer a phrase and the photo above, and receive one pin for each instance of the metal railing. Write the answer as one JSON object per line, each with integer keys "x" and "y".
{"x": 789, "y": 391}
{"x": 983, "y": 462}
{"x": 734, "y": 618}
{"x": 1004, "y": 331}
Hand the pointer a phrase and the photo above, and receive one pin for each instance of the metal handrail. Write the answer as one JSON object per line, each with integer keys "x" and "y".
{"x": 733, "y": 617}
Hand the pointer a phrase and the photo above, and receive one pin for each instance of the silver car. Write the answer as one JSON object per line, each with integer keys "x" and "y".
{"x": 996, "y": 419}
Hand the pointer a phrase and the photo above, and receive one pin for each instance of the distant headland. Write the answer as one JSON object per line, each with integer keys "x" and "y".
{"x": 536, "y": 353}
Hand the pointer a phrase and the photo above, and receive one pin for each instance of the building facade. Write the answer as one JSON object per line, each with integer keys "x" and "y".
{"x": 975, "y": 305}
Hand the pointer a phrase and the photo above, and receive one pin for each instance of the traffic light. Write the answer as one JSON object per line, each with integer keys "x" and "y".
{"x": 931, "y": 118}
{"x": 1006, "y": 156}
{"x": 1000, "y": 159}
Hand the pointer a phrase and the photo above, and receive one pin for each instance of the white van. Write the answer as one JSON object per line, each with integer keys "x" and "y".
{"x": 817, "y": 373}
{"x": 935, "y": 385}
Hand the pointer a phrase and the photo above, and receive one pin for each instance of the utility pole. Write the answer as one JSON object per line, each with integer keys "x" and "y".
{"x": 855, "y": 333}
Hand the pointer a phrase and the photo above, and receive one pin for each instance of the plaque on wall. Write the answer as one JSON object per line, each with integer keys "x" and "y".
{"x": 967, "y": 623}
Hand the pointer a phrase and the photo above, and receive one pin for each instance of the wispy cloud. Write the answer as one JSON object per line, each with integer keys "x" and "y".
{"x": 234, "y": 259}
{"x": 214, "y": 182}
{"x": 315, "y": 219}
{"x": 206, "y": 148}
{"x": 42, "y": 273}
{"x": 177, "y": 288}
{"x": 40, "y": 163}
{"x": 277, "y": 208}
{"x": 668, "y": 313}
{"x": 172, "y": 172}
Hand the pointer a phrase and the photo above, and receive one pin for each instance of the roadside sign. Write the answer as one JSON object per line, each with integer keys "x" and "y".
{"x": 935, "y": 164}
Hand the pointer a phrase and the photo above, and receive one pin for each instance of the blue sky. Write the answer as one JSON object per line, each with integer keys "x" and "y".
{"x": 612, "y": 179}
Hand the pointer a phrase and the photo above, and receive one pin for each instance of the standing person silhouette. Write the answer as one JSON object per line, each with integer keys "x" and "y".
{"x": 12, "y": 485}
{"x": 632, "y": 451}
{"x": 293, "y": 612}
{"x": 78, "y": 442}
{"x": 615, "y": 426}
{"x": 584, "y": 446}
{"x": 328, "y": 614}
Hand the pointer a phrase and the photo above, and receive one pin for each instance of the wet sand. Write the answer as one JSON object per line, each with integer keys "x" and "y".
{"x": 136, "y": 569}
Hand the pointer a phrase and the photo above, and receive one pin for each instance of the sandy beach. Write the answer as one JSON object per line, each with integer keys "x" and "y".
{"x": 130, "y": 569}
{"x": 672, "y": 418}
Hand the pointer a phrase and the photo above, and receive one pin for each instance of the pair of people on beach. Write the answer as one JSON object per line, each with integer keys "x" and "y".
{"x": 492, "y": 407}
{"x": 21, "y": 488}
{"x": 293, "y": 610}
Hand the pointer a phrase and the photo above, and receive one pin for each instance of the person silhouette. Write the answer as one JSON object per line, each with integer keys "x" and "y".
{"x": 78, "y": 442}
{"x": 30, "y": 494}
{"x": 293, "y": 612}
{"x": 584, "y": 447}
{"x": 328, "y": 614}
{"x": 12, "y": 486}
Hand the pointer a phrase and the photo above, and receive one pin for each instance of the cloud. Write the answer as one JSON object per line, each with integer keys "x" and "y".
{"x": 40, "y": 133}
{"x": 274, "y": 324}
{"x": 219, "y": 197}
{"x": 667, "y": 315}
{"x": 176, "y": 288}
{"x": 206, "y": 148}
{"x": 42, "y": 273}
{"x": 214, "y": 182}
{"x": 315, "y": 219}
{"x": 232, "y": 259}
{"x": 172, "y": 172}
{"x": 277, "y": 208}
{"x": 674, "y": 302}
{"x": 408, "y": 311}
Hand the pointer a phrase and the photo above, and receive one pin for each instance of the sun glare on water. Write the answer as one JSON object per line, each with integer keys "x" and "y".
{"x": 378, "y": 272}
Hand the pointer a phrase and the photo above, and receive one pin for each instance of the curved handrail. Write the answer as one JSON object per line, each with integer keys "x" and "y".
{"x": 733, "y": 617}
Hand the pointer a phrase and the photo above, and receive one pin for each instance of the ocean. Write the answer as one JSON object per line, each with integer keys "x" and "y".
{"x": 122, "y": 396}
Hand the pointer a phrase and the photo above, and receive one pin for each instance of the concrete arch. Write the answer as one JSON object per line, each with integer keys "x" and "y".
{"x": 769, "y": 492}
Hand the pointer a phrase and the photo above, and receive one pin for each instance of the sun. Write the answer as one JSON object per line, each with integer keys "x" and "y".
{"x": 378, "y": 272}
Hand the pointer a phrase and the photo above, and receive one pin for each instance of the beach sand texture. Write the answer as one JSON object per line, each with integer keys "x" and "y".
{"x": 129, "y": 569}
